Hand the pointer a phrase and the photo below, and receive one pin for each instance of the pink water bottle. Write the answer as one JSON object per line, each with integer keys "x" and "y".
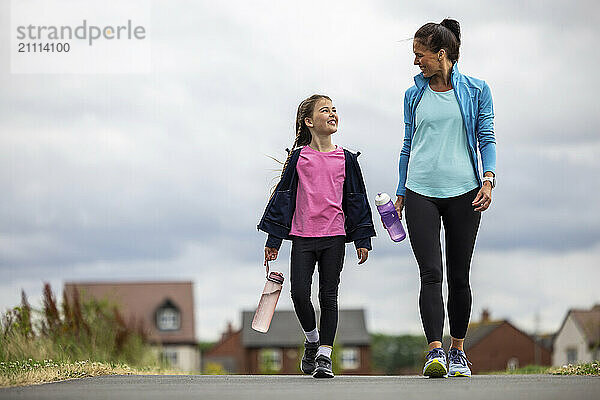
{"x": 267, "y": 303}
{"x": 389, "y": 216}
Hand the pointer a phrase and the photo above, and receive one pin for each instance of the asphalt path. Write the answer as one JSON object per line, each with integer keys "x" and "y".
{"x": 291, "y": 387}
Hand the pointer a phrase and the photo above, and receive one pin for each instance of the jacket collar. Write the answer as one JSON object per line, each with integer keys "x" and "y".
{"x": 421, "y": 81}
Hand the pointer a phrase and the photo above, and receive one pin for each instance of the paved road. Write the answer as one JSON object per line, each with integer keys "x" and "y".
{"x": 305, "y": 387}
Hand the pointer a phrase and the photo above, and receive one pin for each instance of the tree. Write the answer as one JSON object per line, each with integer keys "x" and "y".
{"x": 397, "y": 354}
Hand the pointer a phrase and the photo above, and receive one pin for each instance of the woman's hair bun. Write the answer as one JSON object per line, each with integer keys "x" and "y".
{"x": 453, "y": 26}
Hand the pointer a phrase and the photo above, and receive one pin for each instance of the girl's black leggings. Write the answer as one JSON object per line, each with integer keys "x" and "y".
{"x": 329, "y": 253}
{"x": 461, "y": 223}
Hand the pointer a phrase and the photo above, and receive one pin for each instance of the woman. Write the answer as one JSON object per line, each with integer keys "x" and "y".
{"x": 447, "y": 116}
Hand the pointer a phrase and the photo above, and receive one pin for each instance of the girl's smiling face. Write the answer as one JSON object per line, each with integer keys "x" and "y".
{"x": 324, "y": 118}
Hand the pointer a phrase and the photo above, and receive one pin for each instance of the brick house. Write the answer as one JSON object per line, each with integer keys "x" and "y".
{"x": 279, "y": 351}
{"x": 164, "y": 309}
{"x": 578, "y": 339}
{"x": 499, "y": 345}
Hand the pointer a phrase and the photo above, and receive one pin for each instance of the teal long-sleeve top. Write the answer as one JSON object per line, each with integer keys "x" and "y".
{"x": 475, "y": 103}
{"x": 439, "y": 163}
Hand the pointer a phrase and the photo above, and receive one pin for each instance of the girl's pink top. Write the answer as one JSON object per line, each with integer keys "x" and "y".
{"x": 320, "y": 190}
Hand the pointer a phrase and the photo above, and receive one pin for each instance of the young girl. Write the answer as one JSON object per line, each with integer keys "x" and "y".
{"x": 320, "y": 203}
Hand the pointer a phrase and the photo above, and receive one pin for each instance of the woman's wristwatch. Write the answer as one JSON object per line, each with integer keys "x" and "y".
{"x": 490, "y": 179}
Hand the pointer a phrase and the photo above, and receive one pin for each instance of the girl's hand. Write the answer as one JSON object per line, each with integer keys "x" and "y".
{"x": 484, "y": 197}
{"x": 270, "y": 255}
{"x": 399, "y": 205}
{"x": 362, "y": 254}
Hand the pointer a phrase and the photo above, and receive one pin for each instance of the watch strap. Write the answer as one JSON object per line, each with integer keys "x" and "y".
{"x": 490, "y": 179}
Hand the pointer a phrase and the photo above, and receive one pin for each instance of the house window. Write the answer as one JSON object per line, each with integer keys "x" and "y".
{"x": 170, "y": 356}
{"x": 571, "y": 356}
{"x": 292, "y": 354}
{"x": 269, "y": 360}
{"x": 512, "y": 364}
{"x": 168, "y": 317}
{"x": 350, "y": 358}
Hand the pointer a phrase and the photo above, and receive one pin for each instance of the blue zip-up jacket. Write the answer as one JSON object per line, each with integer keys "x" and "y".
{"x": 475, "y": 103}
{"x": 358, "y": 224}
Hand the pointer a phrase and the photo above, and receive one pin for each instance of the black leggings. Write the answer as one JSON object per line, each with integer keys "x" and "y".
{"x": 329, "y": 252}
{"x": 461, "y": 223}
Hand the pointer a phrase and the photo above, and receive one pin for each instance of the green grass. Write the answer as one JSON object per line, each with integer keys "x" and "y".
{"x": 591, "y": 368}
{"x": 31, "y": 372}
{"x": 527, "y": 370}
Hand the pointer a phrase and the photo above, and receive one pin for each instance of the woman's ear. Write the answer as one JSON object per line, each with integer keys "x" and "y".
{"x": 308, "y": 122}
{"x": 441, "y": 54}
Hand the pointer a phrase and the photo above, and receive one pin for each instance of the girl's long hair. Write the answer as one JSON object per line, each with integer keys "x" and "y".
{"x": 303, "y": 135}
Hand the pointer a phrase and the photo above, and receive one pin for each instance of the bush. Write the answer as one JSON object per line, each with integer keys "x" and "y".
{"x": 397, "y": 354}
{"x": 76, "y": 330}
{"x": 213, "y": 368}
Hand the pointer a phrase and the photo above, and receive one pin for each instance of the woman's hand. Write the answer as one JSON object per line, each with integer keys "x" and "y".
{"x": 399, "y": 205}
{"x": 270, "y": 255}
{"x": 362, "y": 254}
{"x": 484, "y": 197}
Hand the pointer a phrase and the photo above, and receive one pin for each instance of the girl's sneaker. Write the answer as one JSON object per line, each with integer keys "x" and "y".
{"x": 308, "y": 364}
{"x": 435, "y": 364}
{"x": 323, "y": 369}
{"x": 458, "y": 363}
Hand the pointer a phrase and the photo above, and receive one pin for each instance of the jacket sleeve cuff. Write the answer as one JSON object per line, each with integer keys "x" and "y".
{"x": 363, "y": 243}
{"x": 273, "y": 242}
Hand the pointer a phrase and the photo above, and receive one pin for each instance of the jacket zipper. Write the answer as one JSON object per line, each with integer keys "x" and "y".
{"x": 467, "y": 131}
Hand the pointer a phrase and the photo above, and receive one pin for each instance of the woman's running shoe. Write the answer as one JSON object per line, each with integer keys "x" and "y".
{"x": 458, "y": 365}
{"x": 323, "y": 369}
{"x": 435, "y": 364}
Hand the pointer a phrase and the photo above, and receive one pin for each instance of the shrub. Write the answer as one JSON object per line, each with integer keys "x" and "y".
{"x": 74, "y": 330}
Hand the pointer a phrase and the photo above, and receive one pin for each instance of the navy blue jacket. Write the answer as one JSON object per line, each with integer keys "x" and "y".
{"x": 358, "y": 224}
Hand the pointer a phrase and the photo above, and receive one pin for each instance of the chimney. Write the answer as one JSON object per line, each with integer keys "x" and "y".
{"x": 485, "y": 316}
{"x": 228, "y": 332}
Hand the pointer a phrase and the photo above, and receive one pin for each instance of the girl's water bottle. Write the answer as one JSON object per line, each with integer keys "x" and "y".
{"x": 389, "y": 216}
{"x": 267, "y": 303}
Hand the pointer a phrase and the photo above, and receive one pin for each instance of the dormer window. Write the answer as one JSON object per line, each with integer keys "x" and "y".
{"x": 168, "y": 317}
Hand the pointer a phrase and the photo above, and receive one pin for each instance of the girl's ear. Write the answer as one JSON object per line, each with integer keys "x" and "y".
{"x": 308, "y": 122}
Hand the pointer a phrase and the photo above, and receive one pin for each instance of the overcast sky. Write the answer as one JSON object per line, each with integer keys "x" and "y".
{"x": 163, "y": 176}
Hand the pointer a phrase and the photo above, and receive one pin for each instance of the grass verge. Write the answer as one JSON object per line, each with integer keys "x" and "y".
{"x": 62, "y": 335}
{"x": 30, "y": 372}
{"x": 527, "y": 370}
{"x": 592, "y": 368}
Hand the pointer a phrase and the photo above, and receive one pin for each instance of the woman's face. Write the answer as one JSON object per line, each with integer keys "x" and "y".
{"x": 324, "y": 118}
{"x": 426, "y": 59}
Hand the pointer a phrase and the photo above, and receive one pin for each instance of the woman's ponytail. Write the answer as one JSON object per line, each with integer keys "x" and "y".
{"x": 453, "y": 26}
